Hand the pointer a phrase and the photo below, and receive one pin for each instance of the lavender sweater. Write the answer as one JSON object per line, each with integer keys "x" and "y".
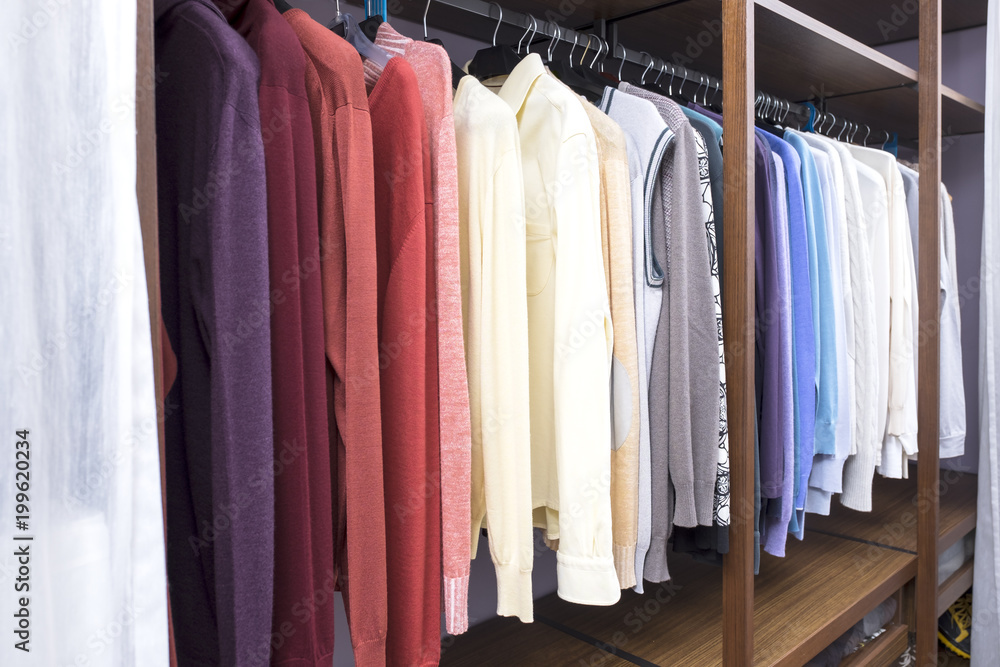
{"x": 214, "y": 279}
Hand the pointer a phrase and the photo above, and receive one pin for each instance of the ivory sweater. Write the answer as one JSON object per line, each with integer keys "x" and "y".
{"x": 495, "y": 321}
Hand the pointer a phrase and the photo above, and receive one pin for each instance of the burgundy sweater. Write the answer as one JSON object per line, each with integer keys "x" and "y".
{"x": 303, "y": 538}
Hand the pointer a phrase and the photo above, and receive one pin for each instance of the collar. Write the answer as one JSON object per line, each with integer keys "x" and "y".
{"x": 517, "y": 86}
{"x": 162, "y": 7}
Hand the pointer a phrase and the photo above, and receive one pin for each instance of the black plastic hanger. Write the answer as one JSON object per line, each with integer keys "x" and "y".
{"x": 369, "y": 27}
{"x": 498, "y": 60}
{"x": 456, "y": 72}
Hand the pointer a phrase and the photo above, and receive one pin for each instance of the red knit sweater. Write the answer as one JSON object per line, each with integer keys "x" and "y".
{"x": 342, "y": 130}
{"x": 408, "y": 360}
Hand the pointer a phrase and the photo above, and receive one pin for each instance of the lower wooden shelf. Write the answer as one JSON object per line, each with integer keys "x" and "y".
{"x": 896, "y": 503}
{"x": 954, "y": 586}
{"x": 884, "y": 650}
{"x": 803, "y": 602}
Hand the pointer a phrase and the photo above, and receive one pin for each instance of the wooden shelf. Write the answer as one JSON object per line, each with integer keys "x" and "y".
{"x": 894, "y": 521}
{"x": 802, "y": 603}
{"x": 507, "y": 641}
{"x": 954, "y": 586}
{"x": 875, "y": 22}
{"x": 886, "y": 648}
{"x": 797, "y": 56}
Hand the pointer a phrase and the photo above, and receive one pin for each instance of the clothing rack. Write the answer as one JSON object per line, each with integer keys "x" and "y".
{"x": 642, "y": 63}
{"x": 802, "y": 602}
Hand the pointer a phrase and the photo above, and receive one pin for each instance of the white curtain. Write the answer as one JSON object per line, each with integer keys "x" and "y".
{"x": 986, "y": 576}
{"x": 76, "y": 366}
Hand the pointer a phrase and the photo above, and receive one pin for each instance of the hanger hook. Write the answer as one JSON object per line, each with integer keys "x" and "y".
{"x": 572, "y": 49}
{"x": 426, "y": 8}
{"x": 555, "y": 39}
{"x": 704, "y": 95}
{"x": 642, "y": 79}
{"x": 868, "y": 131}
{"x": 622, "y": 63}
{"x": 701, "y": 80}
{"x": 597, "y": 53}
{"x": 495, "y": 30}
{"x": 526, "y": 31}
{"x": 662, "y": 68}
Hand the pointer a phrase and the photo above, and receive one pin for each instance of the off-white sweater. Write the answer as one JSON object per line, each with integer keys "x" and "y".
{"x": 495, "y": 323}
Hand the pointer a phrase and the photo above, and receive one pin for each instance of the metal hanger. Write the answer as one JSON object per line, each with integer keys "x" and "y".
{"x": 556, "y": 31}
{"x": 622, "y": 63}
{"x": 533, "y": 28}
{"x": 642, "y": 79}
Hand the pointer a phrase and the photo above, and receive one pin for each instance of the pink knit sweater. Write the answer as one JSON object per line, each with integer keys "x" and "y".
{"x": 433, "y": 68}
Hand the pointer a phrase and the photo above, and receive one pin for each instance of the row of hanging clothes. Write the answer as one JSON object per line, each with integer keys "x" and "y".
{"x": 406, "y": 302}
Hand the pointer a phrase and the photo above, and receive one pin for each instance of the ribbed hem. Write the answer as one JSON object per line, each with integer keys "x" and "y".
{"x": 624, "y": 564}
{"x": 951, "y": 446}
{"x": 818, "y": 501}
{"x": 685, "y": 515}
{"x": 514, "y": 592}
{"x": 655, "y": 567}
{"x": 858, "y": 473}
{"x": 827, "y": 474}
{"x": 325, "y": 659}
{"x": 370, "y": 653}
{"x": 456, "y": 604}
{"x": 892, "y": 458}
{"x": 587, "y": 580}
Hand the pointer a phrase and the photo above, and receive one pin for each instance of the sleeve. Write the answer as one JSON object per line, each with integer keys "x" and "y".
{"x": 504, "y": 408}
{"x": 901, "y": 428}
{"x": 234, "y": 315}
{"x": 352, "y": 342}
{"x": 582, "y": 362}
{"x": 454, "y": 433}
{"x": 625, "y": 372}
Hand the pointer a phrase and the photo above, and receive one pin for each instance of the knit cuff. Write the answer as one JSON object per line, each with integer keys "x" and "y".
{"x": 685, "y": 515}
{"x": 587, "y": 579}
{"x": 456, "y": 604}
{"x": 825, "y": 438}
{"x": 514, "y": 592}
{"x": 858, "y": 473}
{"x": 818, "y": 501}
{"x": 624, "y": 564}
{"x": 370, "y": 652}
{"x": 952, "y": 445}
{"x": 655, "y": 567}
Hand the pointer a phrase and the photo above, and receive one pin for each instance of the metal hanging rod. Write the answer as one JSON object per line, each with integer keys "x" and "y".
{"x": 652, "y": 67}
{"x": 615, "y": 50}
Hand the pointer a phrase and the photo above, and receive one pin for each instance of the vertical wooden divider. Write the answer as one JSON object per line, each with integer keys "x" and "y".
{"x": 738, "y": 320}
{"x": 145, "y": 190}
{"x": 929, "y": 81}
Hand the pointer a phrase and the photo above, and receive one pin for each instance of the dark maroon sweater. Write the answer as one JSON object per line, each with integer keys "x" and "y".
{"x": 303, "y": 556}
{"x": 214, "y": 280}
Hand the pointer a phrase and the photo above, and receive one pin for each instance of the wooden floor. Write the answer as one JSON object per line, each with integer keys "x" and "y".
{"x": 847, "y": 564}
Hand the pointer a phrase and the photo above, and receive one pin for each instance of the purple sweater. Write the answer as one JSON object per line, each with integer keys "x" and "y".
{"x": 214, "y": 280}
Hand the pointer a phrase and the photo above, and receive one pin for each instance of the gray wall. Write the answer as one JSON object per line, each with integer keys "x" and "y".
{"x": 963, "y": 67}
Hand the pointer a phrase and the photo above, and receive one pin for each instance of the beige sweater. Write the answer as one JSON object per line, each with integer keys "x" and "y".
{"x": 616, "y": 241}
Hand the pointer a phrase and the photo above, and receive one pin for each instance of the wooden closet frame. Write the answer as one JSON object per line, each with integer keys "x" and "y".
{"x": 738, "y": 65}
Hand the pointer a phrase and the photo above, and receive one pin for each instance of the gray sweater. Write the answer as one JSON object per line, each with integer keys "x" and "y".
{"x": 684, "y": 375}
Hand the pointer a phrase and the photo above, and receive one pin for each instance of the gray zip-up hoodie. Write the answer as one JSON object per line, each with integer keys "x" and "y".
{"x": 684, "y": 374}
